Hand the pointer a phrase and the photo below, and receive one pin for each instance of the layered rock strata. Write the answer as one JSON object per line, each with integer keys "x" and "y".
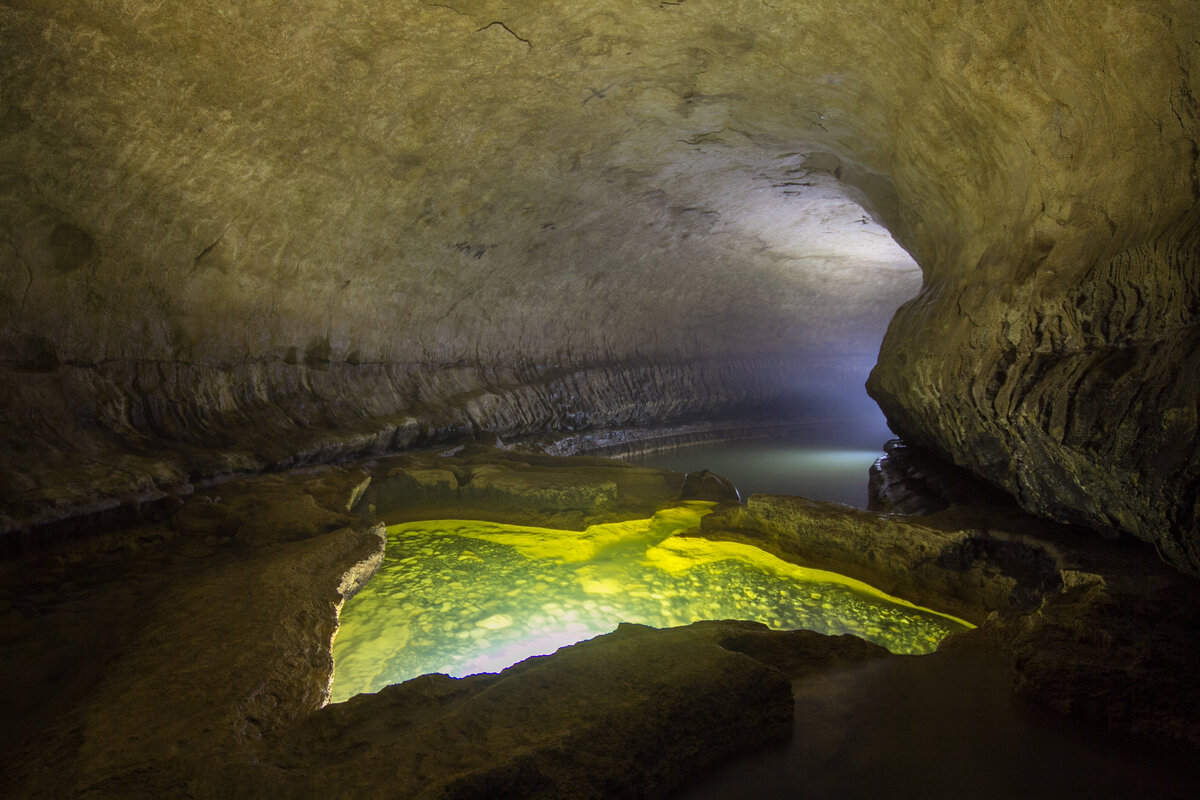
{"x": 1054, "y": 348}
{"x": 118, "y": 435}
{"x": 1084, "y": 407}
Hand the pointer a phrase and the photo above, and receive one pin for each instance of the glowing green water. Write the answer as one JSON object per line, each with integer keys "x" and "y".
{"x": 461, "y": 597}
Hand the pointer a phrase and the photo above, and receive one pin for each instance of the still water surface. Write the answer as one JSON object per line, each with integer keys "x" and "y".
{"x": 467, "y": 596}
{"x": 820, "y": 461}
{"x": 939, "y": 727}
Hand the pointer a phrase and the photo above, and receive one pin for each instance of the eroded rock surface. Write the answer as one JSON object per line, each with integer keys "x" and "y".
{"x": 237, "y": 239}
{"x": 1054, "y": 351}
{"x": 629, "y": 714}
{"x": 191, "y": 657}
{"x": 1083, "y": 406}
{"x": 163, "y": 649}
{"x": 208, "y": 662}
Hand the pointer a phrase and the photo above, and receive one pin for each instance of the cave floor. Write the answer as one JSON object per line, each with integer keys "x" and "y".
{"x": 189, "y": 657}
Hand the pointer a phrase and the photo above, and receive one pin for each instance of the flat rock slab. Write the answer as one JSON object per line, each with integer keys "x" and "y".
{"x": 503, "y": 486}
{"x": 630, "y": 714}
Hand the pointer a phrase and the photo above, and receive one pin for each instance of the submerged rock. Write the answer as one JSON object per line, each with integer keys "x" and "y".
{"x": 705, "y": 485}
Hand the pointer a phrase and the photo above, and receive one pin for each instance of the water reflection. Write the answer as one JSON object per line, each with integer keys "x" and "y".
{"x": 821, "y": 461}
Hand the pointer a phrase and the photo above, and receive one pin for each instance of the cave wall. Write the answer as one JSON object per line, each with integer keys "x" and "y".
{"x": 1057, "y": 353}
{"x": 235, "y": 238}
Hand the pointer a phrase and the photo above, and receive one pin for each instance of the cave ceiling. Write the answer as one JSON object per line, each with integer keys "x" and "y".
{"x": 223, "y": 220}
{"x": 427, "y": 182}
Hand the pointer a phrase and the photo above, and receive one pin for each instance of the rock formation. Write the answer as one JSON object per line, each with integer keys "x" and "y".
{"x": 192, "y": 656}
{"x": 235, "y": 238}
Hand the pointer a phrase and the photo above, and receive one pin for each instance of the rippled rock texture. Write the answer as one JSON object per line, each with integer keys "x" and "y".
{"x": 1084, "y": 406}
{"x": 1054, "y": 348}
{"x": 235, "y": 237}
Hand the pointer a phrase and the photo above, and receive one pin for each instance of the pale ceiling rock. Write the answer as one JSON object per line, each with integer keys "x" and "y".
{"x": 364, "y": 169}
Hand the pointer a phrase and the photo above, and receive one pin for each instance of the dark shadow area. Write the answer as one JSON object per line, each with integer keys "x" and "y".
{"x": 941, "y": 727}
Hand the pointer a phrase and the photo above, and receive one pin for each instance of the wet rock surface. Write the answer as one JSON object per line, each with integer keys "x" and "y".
{"x": 509, "y": 486}
{"x": 1101, "y": 630}
{"x": 1114, "y": 627}
{"x": 628, "y": 714}
{"x": 188, "y": 658}
{"x": 191, "y": 657}
{"x": 161, "y": 649}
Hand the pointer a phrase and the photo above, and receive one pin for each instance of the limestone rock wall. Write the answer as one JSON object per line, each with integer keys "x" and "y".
{"x": 147, "y": 431}
{"x": 235, "y": 238}
{"x": 212, "y": 212}
{"x": 1085, "y": 407}
{"x": 1061, "y": 362}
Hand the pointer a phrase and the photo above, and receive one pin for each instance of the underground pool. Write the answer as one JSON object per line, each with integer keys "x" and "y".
{"x": 462, "y": 597}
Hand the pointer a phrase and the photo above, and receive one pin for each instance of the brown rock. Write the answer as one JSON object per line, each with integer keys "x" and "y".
{"x": 629, "y": 714}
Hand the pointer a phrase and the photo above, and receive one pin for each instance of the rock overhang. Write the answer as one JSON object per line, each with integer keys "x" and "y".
{"x": 247, "y": 213}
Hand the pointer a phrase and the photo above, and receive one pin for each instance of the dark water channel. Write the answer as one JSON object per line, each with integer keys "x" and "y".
{"x": 941, "y": 727}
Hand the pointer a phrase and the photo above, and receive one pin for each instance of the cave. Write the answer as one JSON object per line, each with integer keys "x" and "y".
{"x": 277, "y": 278}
